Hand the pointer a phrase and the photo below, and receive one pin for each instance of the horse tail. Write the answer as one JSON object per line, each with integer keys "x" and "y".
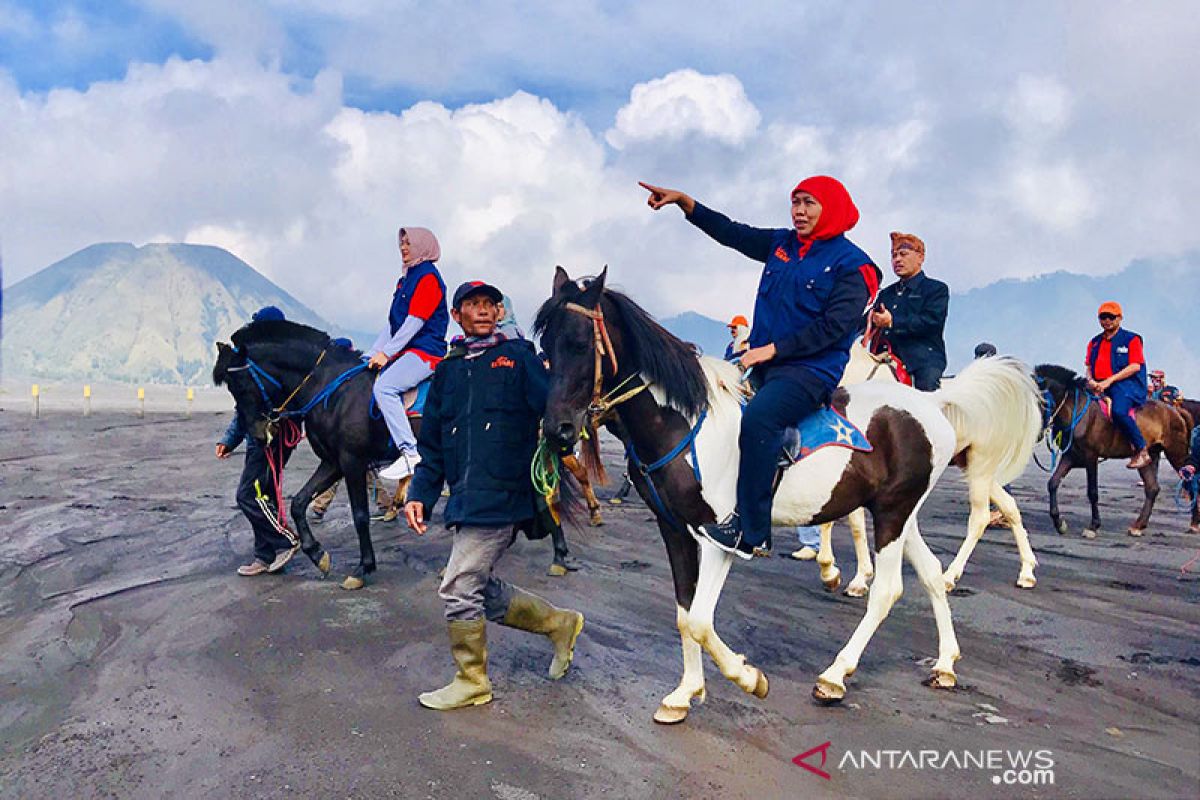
{"x": 996, "y": 411}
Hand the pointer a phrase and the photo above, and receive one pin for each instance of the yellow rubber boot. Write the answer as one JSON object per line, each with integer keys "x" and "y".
{"x": 470, "y": 687}
{"x": 528, "y": 612}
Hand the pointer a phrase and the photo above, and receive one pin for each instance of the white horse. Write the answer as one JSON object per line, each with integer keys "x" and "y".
{"x": 995, "y": 441}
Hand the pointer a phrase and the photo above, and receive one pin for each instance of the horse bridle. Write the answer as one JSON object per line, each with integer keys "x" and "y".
{"x": 601, "y": 406}
{"x": 258, "y": 373}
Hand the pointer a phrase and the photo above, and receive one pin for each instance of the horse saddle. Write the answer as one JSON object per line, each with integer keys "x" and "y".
{"x": 825, "y": 428}
{"x": 414, "y": 398}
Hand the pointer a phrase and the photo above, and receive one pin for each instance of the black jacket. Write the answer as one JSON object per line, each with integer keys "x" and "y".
{"x": 478, "y": 434}
{"x": 919, "y": 306}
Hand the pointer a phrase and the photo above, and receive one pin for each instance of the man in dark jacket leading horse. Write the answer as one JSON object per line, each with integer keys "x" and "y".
{"x": 910, "y": 315}
{"x": 478, "y": 434}
{"x": 1116, "y": 366}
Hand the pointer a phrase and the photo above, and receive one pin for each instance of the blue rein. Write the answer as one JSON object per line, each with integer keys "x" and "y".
{"x": 259, "y": 375}
{"x": 648, "y": 470}
{"x": 1077, "y": 414}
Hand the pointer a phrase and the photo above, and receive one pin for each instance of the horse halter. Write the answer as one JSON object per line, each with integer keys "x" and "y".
{"x": 602, "y": 404}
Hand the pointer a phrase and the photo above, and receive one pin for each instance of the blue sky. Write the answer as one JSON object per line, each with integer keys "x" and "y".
{"x": 1016, "y": 138}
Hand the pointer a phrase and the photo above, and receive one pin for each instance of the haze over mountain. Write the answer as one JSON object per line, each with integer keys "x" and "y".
{"x": 118, "y": 312}
{"x": 1048, "y": 319}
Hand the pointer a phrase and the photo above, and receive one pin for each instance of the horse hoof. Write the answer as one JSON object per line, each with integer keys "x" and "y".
{"x": 666, "y": 715}
{"x": 1137, "y": 531}
{"x": 856, "y": 590}
{"x": 1089, "y": 533}
{"x": 389, "y": 515}
{"x": 1026, "y": 583}
{"x": 950, "y": 583}
{"x": 832, "y": 584}
{"x": 1061, "y": 527}
{"x": 556, "y": 570}
{"x": 324, "y": 563}
{"x": 828, "y": 693}
{"x": 595, "y": 520}
{"x": 1194, "y": 529}
{"x": 761, "y": 687}
{"x": 351, "y": 583}
{"x": 941, "y": 680}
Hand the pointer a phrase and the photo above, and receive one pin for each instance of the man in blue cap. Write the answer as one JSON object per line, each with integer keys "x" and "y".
{"x": 272, "y": 550}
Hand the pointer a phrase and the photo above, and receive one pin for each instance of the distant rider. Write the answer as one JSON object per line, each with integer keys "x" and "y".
{"x": 1116, "y": 366}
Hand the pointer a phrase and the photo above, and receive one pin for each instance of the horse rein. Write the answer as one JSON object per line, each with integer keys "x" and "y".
{"x": 602, "y": 404}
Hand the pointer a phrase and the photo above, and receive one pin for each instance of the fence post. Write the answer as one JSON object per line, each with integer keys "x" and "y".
{"x": 141, "y": 402}
{"x": 87, "y": 400}
{"x": 191, "y": 395}
{"x": 37, "y": 412}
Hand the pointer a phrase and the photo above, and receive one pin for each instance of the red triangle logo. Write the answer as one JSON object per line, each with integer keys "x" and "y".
{"x": 823, "y": 749}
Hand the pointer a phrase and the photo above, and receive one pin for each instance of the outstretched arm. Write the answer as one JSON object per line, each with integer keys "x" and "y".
{"x": 751, "y": 242}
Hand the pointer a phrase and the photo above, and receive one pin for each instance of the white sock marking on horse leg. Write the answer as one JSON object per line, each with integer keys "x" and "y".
{"x": 929, "y": 571}
{"x": 864, "y": 570}
{"x": 692, "y": 683}
{"x": 978, "y": 491}
{"x": 888, "y": 586}
{"x": 714, "y": 569}
{"x": 1008, "y": 507}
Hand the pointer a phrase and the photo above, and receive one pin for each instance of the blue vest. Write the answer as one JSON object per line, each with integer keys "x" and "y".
{"x": 431, "y": 339}
{"x": 793, "y": 292}
{"x": 1135, "y": 386}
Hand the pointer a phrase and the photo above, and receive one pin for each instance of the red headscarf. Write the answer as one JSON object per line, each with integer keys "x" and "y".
{"x": 838, "y": 212}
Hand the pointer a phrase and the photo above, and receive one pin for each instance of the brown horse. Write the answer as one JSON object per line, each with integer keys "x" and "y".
{"x": 1085, "y": 435}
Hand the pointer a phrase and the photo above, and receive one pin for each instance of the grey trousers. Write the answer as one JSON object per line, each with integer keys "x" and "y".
{"x": 469, "y": 588}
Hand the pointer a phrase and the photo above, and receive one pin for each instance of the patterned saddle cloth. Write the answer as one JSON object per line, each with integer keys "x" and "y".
{"x": 826, "y": 428}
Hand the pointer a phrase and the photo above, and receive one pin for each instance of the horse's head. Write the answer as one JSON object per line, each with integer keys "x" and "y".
{"x": 600, "y": 343}
{"x": 572, "y": 324}
{"x": 1057, "y": 385}
{"x": 266, "y": 362}
{"x": 232, "y": 370}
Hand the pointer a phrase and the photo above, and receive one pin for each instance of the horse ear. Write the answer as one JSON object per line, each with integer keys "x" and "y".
{"x": 222, "y": 348}
{"x": 595, "y": 289}
{"x": 561, "y": 279}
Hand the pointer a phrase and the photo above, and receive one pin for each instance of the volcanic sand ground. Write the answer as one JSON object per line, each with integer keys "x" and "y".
{"x": 134, "y": 663}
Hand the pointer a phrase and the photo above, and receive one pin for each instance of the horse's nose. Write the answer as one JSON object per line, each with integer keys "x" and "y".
{"x": 565, "y": 432}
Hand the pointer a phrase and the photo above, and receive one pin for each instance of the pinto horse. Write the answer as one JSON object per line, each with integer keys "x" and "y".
{"x": 679, "y": 415}
{"x": 995, "y": 443}
{"x": 1085, "y": 435}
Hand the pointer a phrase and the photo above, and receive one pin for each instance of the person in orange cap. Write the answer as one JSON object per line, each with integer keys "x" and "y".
{"x": 739, "y": 338}
{"x": 1116, "y": 366}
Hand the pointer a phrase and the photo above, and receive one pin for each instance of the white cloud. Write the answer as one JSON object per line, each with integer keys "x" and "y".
{"x": 1039, "y": 107}
{"x": 686, "y": 102}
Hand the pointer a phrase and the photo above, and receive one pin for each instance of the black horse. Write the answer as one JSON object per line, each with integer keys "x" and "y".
{"x": 273, "y": 364}
{"x": 277, "y": 367}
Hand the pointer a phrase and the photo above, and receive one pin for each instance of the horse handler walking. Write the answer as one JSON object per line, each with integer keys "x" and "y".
{"x": 479, "y": 434}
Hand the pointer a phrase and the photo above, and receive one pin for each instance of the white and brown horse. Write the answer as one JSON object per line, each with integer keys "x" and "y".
{"x": 995, "y": 441}
{"x": 679, "y": 415}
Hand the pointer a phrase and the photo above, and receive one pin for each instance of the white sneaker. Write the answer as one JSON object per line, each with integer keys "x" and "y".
{"x": 401, "y": 468}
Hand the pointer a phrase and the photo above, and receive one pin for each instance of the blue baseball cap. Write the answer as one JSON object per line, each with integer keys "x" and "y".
{"x": 267, "y": 313}
{"x": 476, "y": 287}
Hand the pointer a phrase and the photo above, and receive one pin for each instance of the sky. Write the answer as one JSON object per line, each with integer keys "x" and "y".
{"x": 1015, "y": 138}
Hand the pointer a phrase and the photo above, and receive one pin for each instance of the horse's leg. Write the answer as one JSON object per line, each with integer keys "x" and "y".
{"x": 1065, "y": 465}
{"x": 1008, "y": 507}
{"x": 714, "y": 569}
{"x": 929, "y": 571}
{"x": 885, "y": 591}
{"x": 1093, "y": 495}
{"x": 978, "y": 487}
{"x": 864, "y": 570}
{"x": 831, "y": 576}
{"x": 1149, "y": 475}
{"x": 356, "y": 488}
{"x": 563, "y": 561}
{"x": 683, "y": 555}
{"x": 326, "y": 475}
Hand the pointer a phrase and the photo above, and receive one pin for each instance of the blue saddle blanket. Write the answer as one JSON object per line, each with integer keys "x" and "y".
{"x": 826, "y": 428}
{"x": 414, "y": 399}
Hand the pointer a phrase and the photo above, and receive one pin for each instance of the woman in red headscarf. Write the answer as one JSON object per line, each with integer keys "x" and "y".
{"x": 814, "y": 289}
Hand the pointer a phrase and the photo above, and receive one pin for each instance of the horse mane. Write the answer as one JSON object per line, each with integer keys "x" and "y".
{"x": 1068, "y": 378}
{"x": 278, "y": 331}
{"x": 665, "y": 360}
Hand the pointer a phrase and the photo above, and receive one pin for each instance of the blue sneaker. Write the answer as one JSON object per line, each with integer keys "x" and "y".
{"x": 726, "y": 535}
